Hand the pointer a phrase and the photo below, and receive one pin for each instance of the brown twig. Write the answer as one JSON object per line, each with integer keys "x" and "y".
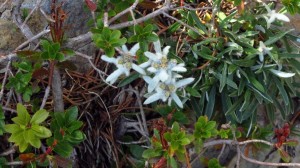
{"x": 4, "y": 80}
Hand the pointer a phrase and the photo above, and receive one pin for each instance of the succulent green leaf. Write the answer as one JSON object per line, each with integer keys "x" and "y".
{"x": 74, "y": 125}
{"x": 175, "y": 127}
{"x": 64, "y": 149}
{"x": 60, "y": 119}
{"x": 23, "y": 117}
{"x": 151, "y": 153}
{"x": 59, "y": 56}
{"x": 23, "y": 146}
{"x": 45, "y": 45}
{"x": 30, "y": 137}
{"x": 185, "y": 141}
{"x": 173, "y": 162}
{"x": 12, "y": 128}
{"x": 71, "y": 114}
{"x": 116, "y": 34}
{"x": 129, "y": 79}
{"x": 16, "y": 137}
{"x": 39, "y": 117}
{"x": 167, "y": 136}
{"x": 40, "y": 131}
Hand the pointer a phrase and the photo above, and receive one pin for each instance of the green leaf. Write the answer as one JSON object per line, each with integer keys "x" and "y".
{"x": 59, "y": 56}
{"x": 60, "y": 119}
{"x": 151, "y": 153}
{"x": 23, "y": 117}
{"x": 17, "y": 137}
{"x": 148, "y": 28}
{"x": 185, "y": 141}
{"x": 129, "y": 79}
{"x": 282, "y": 91}
{"x": 55, "y": 47}
{"x": 288, "y": 55}
{"x": 203, "y": 53}
{"x": 116, "y": 34}
{"x": 74, "y": 125}
{"x": 76, "y": 137}
{"x": 167, "y": 136}
{"x": 152, "y": 37}
{"x": 25, "y": 66}
{"x": 210, "y": 125}
{"x": 71, "y": 114}
{"x": 284, "y": 155}
{"x": 214, "y": 163}
{"x": 45, "y": 45}
{"x": 173, "y": 162}
{"x": 199, "y": 24}
{"x": 194, "y": 92}
{"x": 223, "y": 78}
{"x": 211, "y": 102}
{"x": 64, "y": 149}
{"x": 175, "y": 127}
{"x": 23, "y": 146}
{"x": 30, "y": 137}
{"x": 229, "y": 82}
{"x": 41, "y": 132}
{"x": 109, "y": 51}
{"x": 119, "y": 42}
{"x": 277, "y": 37}
{"x": 233, "y": 107}
{"x": 180, "y": 117}
{"x": 291, "y": 143}
{"x": 265, "y": 96}
{"x": 136, "y": 151}
{"x": 244, "y": 62}
{"x": 12, "y": 128}
{"x": 39, "y": 117}
{"x": 45, "y": 55}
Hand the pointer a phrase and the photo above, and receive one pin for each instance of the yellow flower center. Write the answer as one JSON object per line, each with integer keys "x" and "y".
{"x": 126, "y": 60}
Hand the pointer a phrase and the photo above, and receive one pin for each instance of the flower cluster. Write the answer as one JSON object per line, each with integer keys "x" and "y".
{"x": 162, "y": 72}
{"x": 163, "y": 85}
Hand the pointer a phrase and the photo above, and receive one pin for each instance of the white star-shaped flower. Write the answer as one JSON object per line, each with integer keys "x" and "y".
{"x": 272, "y": 15}
{"x": 158, "y": 55}
{"x": 167, "y": 91}
{"x": 162, "y": 68}
{"x": 263, "y": 50}
{"x": 124, "y": 63}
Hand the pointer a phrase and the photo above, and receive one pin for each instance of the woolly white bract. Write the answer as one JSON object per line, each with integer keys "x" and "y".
{"x": 263, "y": 50}
{"x": 272, "y": 15}
{"x": 124, "y": 63}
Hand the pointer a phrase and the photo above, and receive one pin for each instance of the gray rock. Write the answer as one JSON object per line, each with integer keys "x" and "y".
{"x": 77, "y": 18}
{"x": 10, "y": 36}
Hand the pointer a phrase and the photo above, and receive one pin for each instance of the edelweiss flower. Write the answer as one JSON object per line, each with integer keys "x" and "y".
{"x": 167, "y": 91}
{"x": 272, "y": 15}
{"x": 160, "y": 66}
{"x": 124, "y": 63}
{"x": 263, "y": 50}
